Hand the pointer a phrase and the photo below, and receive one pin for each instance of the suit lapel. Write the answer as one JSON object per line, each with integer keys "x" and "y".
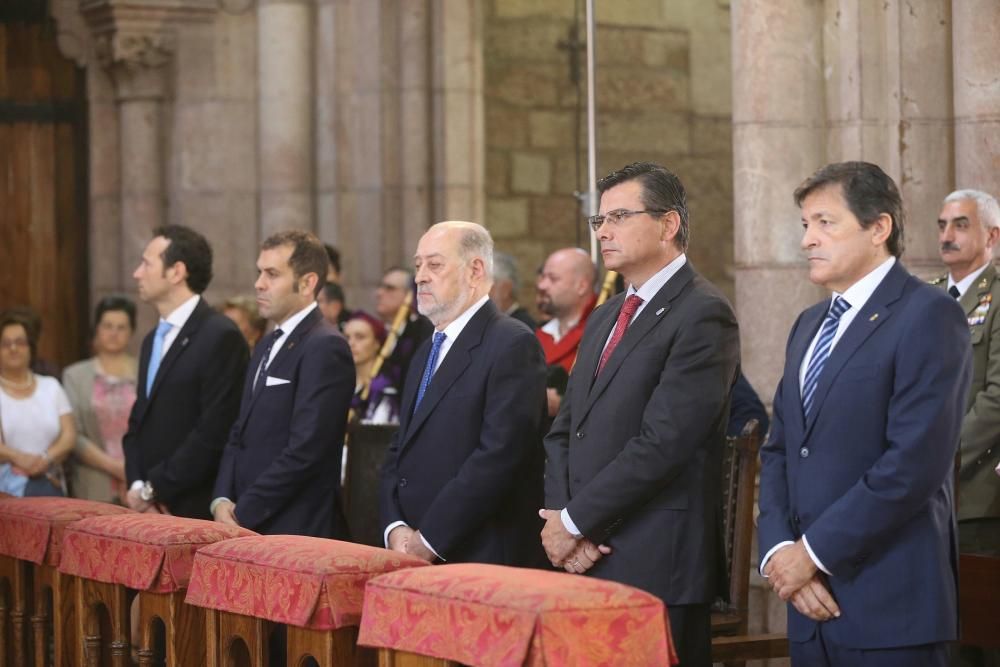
{"x": 873, "y": 315}
{"x": 282, "y": 360}
{"x": 454, "y": 365}
{"x": 180, "y": 344}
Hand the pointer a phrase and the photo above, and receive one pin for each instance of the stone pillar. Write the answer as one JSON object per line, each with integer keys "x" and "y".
{"x": 976, "y": 36}
{"x": 285, "y": 114}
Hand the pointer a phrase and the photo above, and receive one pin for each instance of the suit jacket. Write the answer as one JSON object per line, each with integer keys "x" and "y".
{"x": 635, "y": 454}
{"x": 521, "y": 314}
{"x": 176, "y": 434}
{"x": 465, "y": 468}
{"x": 868, "y": 476}
{"x": 978, "y": 488}
{"x": 281, "y": 465}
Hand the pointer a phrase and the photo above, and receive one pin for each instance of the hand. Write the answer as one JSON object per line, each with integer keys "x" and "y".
{"x": 585, "y": 557}
{"x": 558, "y": 542}
{"x": 133, "y": 500}
{"x": 117, "y": 470}
{"x": 225, "y": 513}
{"x": 815, "y": 601}
{"x": 789, "y": 569}
{"x": 554, "y": 400}
{"x": 35, "y": 465}
{"x": 416, "y": 547}
{"x": 398, "y": 538}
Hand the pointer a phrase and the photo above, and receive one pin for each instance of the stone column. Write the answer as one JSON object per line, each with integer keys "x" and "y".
{"x": 285, "y": 114}
{"x": 976, "y": 36}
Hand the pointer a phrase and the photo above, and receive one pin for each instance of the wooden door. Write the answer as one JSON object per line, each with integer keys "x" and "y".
{"x": 43, "y": 193}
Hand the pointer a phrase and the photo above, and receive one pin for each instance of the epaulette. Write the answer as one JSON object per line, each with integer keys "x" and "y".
{"x": 938, "y": 281}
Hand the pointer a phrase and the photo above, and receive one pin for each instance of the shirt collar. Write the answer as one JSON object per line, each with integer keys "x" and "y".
{"x": 455, "y": 328}
{"x": 858, "y": 294}
{"x": 658, "y": 279}
{"x": 182, "y": 313}
{"x": 513, "y": 307}
{"x": 288, "y": 326}
{"x": 965, "y": 283}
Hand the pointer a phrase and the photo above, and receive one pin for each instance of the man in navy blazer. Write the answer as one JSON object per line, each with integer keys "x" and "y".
{"x": 280, "y": 471}
{"x": 190, "y": 370}
{"x": 857, "y": 527}
{"x": 462, "y": 477}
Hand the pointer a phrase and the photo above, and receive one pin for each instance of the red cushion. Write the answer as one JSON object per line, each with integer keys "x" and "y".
{"x": 493, "y": 615}
{"x": 32, "y": 528}
{"x": 147, "y": 552}
{"x": 303, "y": 581}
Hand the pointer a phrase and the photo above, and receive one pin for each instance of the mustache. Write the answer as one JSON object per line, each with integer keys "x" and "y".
{"x": 948, "y": 245}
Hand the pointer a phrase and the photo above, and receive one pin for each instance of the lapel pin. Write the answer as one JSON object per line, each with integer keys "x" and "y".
{"x": 660, "y": 311}
{"x": 184, "y": 342}
{"x": 291, "y": 345}
{"x": 873, "y": 317}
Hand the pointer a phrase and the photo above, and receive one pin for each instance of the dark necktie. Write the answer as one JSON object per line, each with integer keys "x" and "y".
{"x": 822, "y": 351}
{"x": 265, "y": 361}
{"x": 631, "y": 305}
{"x": 425, "y": 381}
{"x": 954, "y": 292}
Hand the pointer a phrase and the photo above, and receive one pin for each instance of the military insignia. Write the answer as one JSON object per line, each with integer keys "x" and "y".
{"x": 983, "y": 284}
{"x": 982, "y": 309}
{"x": 660, "y": 311}
{"x": 873, "y": 317}
{"x": 938, "y": 281}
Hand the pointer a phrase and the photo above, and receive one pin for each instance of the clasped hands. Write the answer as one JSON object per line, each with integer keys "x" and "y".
{"x": 405, "y": 540}
{"x": 573, "y": 554}
{"x": 794, "y": 576}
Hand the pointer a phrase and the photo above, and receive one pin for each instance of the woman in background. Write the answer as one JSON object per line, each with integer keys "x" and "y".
{"x": 102, "y": 390}
{"x": 365, "y": 335}
{"x": 242, "y": 310}
{"x": 36, "y": 420}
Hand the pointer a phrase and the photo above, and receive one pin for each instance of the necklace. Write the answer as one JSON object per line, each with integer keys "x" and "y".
{"x": 19, "y": 385}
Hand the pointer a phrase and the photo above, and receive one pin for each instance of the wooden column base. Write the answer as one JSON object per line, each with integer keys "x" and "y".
{"x": 115, "y": 598}
{"x": 61, "y": 617}
{"x": 14, "y": 612}
{"x": 184, "y": 629}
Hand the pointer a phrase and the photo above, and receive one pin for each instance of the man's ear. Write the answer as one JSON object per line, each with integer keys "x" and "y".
{"x": 881, "y": 229}
{"x": 671, "y": 225}
{"x": 307, "y": 283}
{"x": 177, "y": 273}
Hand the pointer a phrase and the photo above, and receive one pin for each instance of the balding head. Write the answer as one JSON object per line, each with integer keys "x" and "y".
{"x": 566, "y": 284}
{"x": 454, "y": 268}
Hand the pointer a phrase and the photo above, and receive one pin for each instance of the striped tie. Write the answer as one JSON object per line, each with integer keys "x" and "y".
{"x": 822, "y": 352}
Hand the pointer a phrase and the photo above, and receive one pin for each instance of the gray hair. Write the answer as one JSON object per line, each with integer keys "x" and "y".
{"x": 505, "y": 268}
{"x": 986, "y": 205}
{"x": 473, "y": 241}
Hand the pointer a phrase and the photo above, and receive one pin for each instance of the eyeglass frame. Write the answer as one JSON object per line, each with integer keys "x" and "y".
{"x": 617, "y": 216}
{"x": 14, "y": 344}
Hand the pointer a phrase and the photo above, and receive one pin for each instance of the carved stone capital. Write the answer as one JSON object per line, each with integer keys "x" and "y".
{"x": 132, "y": 49}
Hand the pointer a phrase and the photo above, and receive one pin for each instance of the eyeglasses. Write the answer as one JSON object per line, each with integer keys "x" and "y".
{"x": 616, "y": 217}
{"x": 14, "y": 344}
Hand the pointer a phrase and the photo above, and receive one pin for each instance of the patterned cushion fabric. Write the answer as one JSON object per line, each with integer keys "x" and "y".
{"x": 147, "y": 552}
{"x": 308, "y": 582}
{"x": 32, "y": 528}
{"x": 494, "y": 615}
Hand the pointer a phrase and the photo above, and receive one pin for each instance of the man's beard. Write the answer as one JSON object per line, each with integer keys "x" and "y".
{"x": 438, "y": 312}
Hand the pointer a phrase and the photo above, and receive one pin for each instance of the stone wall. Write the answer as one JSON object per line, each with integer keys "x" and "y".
{"x": 663, "y": 94}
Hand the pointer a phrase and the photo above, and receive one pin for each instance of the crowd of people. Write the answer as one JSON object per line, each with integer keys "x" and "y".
{"x": 591, "y": 442}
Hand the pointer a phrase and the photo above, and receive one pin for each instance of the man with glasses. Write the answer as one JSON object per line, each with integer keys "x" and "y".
{"x": 634, "y": 455}
{"x": 390, "y": 295}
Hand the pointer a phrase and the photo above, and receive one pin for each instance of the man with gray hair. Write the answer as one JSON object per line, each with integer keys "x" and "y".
{"x": 463, "y": 475}
{"x": 968, "y": 230}
{"x": 505, "y": 286}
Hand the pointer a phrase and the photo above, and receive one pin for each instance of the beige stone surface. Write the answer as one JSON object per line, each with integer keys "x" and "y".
{"x": 530, "y": 173}
{"x": 552, "y": 129}
{"x": 532, "y": 8}
{"x": 507, "y": 218}
{"x": 556, "y": 219}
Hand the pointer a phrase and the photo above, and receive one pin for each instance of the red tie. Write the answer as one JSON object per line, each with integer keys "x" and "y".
{"x": 632, "y": 304}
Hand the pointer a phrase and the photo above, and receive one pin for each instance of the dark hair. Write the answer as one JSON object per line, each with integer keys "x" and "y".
{"x": 115, "y": 303}
{"x": 411, "y": 277}
{"x": 27, "y": 318}
{"x": 191, "y": 248}
{"x": 308, "y": 254}
{"x": 661, "y": 191}
{"x": 333, "y": 292}
{"x": 333, "y": 255}
{"x": 868, "y": 191}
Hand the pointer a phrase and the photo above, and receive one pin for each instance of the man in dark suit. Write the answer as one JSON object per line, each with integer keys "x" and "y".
{"x": 634, "y": 455}
{"x": 280, "y": 472}
{"x": 857, "y": 527}
{"x": 506, "y": 284}
{"x": 190, "y": 372}
{"x": 463, "y": 476}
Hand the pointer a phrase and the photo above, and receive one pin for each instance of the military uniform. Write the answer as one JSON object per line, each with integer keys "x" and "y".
{"x": 979, "y": 486}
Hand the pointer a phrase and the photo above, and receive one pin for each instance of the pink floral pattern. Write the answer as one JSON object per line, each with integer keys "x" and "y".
{"x": 303, "y": 581}
{"x": 147, "y": 552}
{"x": 493, "y": 615}
{"x": 32, "y": 529}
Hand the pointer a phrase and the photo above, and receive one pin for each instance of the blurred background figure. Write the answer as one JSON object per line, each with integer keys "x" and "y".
{"x": 333, "y": 271}
{"x": 102, "y": 390}
{"x": 390, "y": 301}
{"x": 331, "y": 304}
{"x": 506, "y": 284}
{"x": 242, "y": 310}
{"x": 32, "y": 321}
{"x": 36, "y": 420}
{"x": 365, "y": 336}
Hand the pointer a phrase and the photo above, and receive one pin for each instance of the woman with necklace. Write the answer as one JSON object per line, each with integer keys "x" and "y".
{"x": 36, "y": 420}
{"x": 102, "y": 390}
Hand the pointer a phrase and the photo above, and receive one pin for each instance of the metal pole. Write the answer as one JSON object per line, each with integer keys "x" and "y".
{"x": 591, "y": 131}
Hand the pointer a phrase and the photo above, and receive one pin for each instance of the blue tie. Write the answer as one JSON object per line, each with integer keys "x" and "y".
{"x": 439, "y": 337}
{"x": 822, "y": 351}
{"x": 156, "y": 356}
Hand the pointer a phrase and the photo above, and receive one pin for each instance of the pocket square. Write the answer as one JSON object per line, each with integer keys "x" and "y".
{"x": 274, "y": 382}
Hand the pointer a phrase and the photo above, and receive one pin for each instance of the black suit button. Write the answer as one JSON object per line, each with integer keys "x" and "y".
{"x": 402, "y": 482}
{"x": 579, "y": 435}
{"x": 804, "y": 452}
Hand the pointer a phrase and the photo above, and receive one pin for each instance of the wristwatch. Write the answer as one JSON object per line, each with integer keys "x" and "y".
{"x": 146, "y": 492}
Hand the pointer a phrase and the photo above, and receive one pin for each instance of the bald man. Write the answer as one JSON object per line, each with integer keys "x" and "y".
{"x": 566, "y": 294}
